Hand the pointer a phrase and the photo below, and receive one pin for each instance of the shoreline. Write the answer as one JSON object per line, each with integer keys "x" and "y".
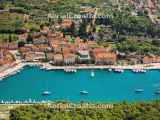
{"x": 20, "y": 65}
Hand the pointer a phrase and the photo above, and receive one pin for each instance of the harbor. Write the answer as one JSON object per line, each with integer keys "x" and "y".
{"x": 93, "y": 85}
{"x": 19, "y": 65}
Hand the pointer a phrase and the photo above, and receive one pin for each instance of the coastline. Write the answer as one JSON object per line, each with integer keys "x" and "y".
{"x": 18, "y": 66}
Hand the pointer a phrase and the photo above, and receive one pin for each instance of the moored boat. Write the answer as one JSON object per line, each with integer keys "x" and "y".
{"x": 139, "y": 71}
{"x": 139, "y": 90}
{"x": 46, "y": 93}
{"x": 157, "y": 92}
{"x": 84, "y": 92}
{"x": 110, "y": 70}
{"x": 118, "y": 70}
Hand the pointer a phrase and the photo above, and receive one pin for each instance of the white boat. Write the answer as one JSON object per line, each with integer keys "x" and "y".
{"x": 92, "y": 74}
{"x": 83, "y": 92}
{"x": 110, "y": 70}
{"x": 46, "y": 93}
{"x": 119, "y": 70}
{"x": 139, "y": 71}
{"x": 70, "y": 70}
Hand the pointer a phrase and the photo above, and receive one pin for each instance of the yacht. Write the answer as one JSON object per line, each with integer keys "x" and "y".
{"x": 46, "y": 93}
{"x": 139, "y": 90}
{"x": 83, "y": 92}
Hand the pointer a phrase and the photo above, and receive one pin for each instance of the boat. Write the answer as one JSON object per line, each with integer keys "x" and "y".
{"x": 139, "y": 71}
{"x": 139, "y": 90}
{"x": 157, "y": 92}
{"x": 92, "y": 74}
{"x": 46, "y": 93}
{"x": 119, "y": 70}
{"x": 1, "y": 79}
{"x": 70, "y": 70}
{"x": 83, "y": 92}
{"x": 110, "y": 70}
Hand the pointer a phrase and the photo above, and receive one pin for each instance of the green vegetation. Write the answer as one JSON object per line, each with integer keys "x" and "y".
{"x": 121, "y": 111}
{"x": 123, "y": 26}
{"x": 10, "y": 22}
{"x": 8, "y": 37}
{"x": 140, "y": 47}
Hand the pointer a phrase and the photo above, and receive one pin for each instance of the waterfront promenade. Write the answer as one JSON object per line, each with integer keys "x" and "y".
{"x": 18, "y": 65}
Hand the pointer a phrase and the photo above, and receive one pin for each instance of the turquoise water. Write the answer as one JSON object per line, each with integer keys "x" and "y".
{"x": 104, "y": 87}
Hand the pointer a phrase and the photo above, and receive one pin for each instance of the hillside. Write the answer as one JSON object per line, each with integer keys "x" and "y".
{"x": 121, "y": 111}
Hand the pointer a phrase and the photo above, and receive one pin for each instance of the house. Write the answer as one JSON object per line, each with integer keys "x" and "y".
{"x": 34, "y": 56}
{"x": 23, "y": 37}
{"x": 9, "y": 46}
{"x": 69, "y": 58}
{"x": 6, "y": 57}
{"x": 66, "y": 24}
{"x": 50, "y": 56}
{"x": 69, "y": 48}
{"x": 41, "y": 39}
{"x": 103, "y": 56}
{"x": 87, "y": 9}
{"x": 151, "y": 59}
{"x": 44, "y": 47}
{"x": 45, "y": 30}
{"x": 82, "y": 50}
{"x": 57, "y": 48}
{"x": 83, "y": 56}
{"x": 58, "y": 59}
{"x": 55, "y": 36}
{"x": 92, "y": 44}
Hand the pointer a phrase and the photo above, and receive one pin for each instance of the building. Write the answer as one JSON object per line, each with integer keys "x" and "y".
{"x": 34, "y": 56}
{"x": 23, "y": 37}
{"x": 83, "y": 56}
{"x": 50, "y": 56}
{"x": 58, "y": 59}
{"x": 55, "y": 36}
{"x": 87, "y": 9}
{"x": 6, "y": 57}
{"x": 66, "y": 24}
{"x": 41, "y": 39}
{"x": 45, "y": 30}
{"x": 69, "y": 58}
{"x": 9, "y": 46}
{"x": 103, "y": 56}
{"x": 151, "y": 59}
{"x": 92, "y": 44}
